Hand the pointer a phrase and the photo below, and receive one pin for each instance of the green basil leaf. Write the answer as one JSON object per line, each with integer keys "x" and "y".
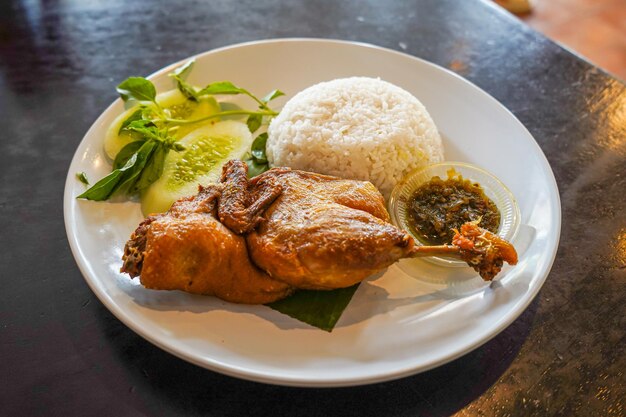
{"x": 258, "y": 149}
{"x": 153, "y": 168}
{"x": 135, "y": 116}
{"x": 255, "y": 168}
{"x": 137, "y": 88}
{"x": 140, "y": 124}
{"x": 272, "y": 95}
{"x": 254, "y": 122}
{"x": 103, "y": 189}
{"x": 186, "y": 89}
{"x": 222, "y": 87}
{"x": 148, "y": 113}
{"x": 82, "y": 177}
{"x": 184, "y": 70}
{"x": 126, "y": 153}
{"x": 321, "y": 309}
{"x": 147, "y": 129}
{"x": 130, "y": 178}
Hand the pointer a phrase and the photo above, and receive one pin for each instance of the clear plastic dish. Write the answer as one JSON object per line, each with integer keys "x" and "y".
{"x": 493, "y": 188}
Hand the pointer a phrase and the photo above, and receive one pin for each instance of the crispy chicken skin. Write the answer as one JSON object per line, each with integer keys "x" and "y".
{"x": 324, "y": 232}
{"x": 188, "y": 249}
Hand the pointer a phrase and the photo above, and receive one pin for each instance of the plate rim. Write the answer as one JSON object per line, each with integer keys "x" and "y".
{"x": 300, "y": 381}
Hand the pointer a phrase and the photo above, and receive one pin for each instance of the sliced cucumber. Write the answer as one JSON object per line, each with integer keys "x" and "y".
{"x": 114, "y": 141}
{"x": 176, "y": 105}
{"x": 207, "y": 149}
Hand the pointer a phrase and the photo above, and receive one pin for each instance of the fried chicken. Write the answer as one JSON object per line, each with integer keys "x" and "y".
{"x": 477, "y": 247}
{"x": 188, "y": 249}
{"x": 324, "y": 232}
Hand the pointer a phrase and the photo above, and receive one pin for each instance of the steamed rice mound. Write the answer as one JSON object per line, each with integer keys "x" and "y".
{"x": 357, "y": 128}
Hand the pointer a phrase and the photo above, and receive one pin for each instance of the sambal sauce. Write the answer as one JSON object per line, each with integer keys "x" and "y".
{"x": 439, "y": 206}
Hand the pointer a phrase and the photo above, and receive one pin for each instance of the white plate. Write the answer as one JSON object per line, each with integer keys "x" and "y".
{"x": 395, "y": 325}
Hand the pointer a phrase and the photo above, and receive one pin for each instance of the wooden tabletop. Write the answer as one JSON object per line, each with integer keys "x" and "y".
{"x": 63, "y": 353}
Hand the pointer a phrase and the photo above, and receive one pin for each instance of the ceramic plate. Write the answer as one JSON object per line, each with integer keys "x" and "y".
{"x": 396, "y": 325}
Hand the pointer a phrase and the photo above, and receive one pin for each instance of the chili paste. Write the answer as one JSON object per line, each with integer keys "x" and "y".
{"x": 439, "y": 206}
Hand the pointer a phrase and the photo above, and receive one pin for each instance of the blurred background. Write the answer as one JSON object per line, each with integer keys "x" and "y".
{"x": 594, "y": 29}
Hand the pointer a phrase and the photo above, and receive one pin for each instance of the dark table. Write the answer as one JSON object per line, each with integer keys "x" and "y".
{"x": 62, "y": 352}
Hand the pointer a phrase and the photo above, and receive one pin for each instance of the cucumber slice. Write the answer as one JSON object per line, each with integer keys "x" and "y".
{"x": 114, "y": 141}
{"x": 207, "y": 149}
{"x": 176, "y": 105}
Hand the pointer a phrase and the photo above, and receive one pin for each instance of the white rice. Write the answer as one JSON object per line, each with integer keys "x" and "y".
{"x": 358, "y": 128}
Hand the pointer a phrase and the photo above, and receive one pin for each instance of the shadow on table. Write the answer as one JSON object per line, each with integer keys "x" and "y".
{"x": 162, "y": 384}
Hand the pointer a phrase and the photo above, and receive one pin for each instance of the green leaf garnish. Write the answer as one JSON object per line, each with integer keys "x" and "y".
{"x": 272, "y": 95}
{"x": 82, "y": 177}
{"x": 222, "y": 87}
{"x": 254, "y": 122}
{"x": 154, "y": 169}
{"x": 186, "y": 89}
{"x": 137, "y": 88}
{"x": 184, "y": 70}
{"x": 321, "y": 309}
{"x": 126, "y": 153}
{"x": 143, "y": 156}
{"x": 254, "y": 168}
{"x": 258, "y": 148}
{"x": 257, "y": 164}
{"x": 136, "y": 115}
{"x": 104, "y": 188}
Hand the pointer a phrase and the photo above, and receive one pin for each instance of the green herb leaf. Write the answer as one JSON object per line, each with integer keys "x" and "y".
{"x": 153, "y": 168}
{"x": 186, "y": 89}
{"x": 255, "y": 168}
{"x": 321, "y": 309}
{"x": 184, "y": 70}
{"x": 148, "y": 130}
{"x": 254, "y": 122}
{"x": 139, "y": 125}
{"x": 272, "y": 95}
{"x": 258, "y": 149}
{"x": 127, "y": 184}
{"x": 82, "y": 177}
{"x": 180, "y": 75}
{"x": 104, "y": 188}
{"x": 126, "y": 153}
{"x": 222, "y": 87}
{"x": 136, "y": 115}
{"x": 137, "y": 88}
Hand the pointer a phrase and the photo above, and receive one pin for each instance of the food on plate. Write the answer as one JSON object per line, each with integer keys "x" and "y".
{"x": 316, "y": 221}
{"x": 307, "y": 230}
{"x": 482, "y": 250}
{"x": 358, "y": 128}
{"x": 303, "y": 230}
{"x": 140, "y": 140}
{"x": 323, "y": 232}
{"x": 478, "y": 247}
{"x": 439, "y": 207}
{"x": 174, "y": 103}
{"x": 189, "y": 249}
{"x": 206, "y": 149}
